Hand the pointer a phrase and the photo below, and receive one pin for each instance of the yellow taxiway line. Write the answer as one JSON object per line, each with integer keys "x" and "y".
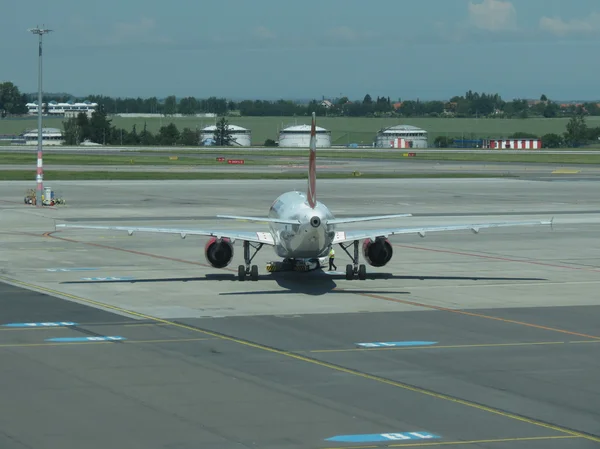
{"x": 305, "y": 359}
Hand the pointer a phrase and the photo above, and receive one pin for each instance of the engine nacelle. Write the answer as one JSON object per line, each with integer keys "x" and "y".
{"x": 219, "y": 252}
{"x": 377, "y": 253}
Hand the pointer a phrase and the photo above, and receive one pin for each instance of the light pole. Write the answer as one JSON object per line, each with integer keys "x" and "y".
{"x": 40, "y": 170}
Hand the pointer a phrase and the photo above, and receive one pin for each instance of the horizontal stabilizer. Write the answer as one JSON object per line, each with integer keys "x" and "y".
{"x": 260, "y": 219}
{"x": 336, "y": 221}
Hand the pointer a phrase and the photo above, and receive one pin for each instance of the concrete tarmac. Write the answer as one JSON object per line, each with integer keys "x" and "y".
{"x": 499, "y": 330}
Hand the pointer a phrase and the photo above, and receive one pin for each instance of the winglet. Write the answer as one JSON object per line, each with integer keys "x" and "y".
{"x": 311, "y": 194}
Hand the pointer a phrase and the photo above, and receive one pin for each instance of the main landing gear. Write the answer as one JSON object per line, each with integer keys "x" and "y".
{"x": 247, "y": 270}
{"x": 354, "y": 268}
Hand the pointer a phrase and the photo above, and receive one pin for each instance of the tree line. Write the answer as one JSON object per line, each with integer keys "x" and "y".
{"x": 577, "y": 134}
{"x": 99, "y": 129}
{"x": 470, "y": 105}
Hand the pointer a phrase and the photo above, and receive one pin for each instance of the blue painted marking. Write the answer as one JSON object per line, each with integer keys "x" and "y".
{"x": 57, "y": 324}
{"x": 109, "y": 278}
{"x": 391, "y": 344}
{"x": 383, "y": 437}
{"x": 74, "y": 339}
{"x": 66, "y": 270}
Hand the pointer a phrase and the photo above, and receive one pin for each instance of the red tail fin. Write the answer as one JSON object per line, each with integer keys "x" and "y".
{"x": 312, "y": 165}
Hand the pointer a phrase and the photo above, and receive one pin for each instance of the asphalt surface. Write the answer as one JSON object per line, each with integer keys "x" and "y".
{"x": 295, "y": 382}
{"x": 498, "y": 331}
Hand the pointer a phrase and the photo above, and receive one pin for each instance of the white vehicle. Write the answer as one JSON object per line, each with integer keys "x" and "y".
{"x": 301, "y": 231}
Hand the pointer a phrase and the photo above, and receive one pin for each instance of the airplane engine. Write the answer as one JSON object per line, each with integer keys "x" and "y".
{"x": 219, "y": 252}
{"x": 377, "y": 253}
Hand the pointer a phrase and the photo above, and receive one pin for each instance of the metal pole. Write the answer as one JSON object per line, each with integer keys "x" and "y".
{"x": 40, "y": 168}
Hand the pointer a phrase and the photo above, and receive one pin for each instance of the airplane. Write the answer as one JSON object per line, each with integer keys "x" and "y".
{"x": 301, "y": 231}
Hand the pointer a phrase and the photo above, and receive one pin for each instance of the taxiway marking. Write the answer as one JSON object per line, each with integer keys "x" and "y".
{"x": 455, "y": 443}
{"x": 99, "y": 342}
{"x": 306, "y": 359}
{"x": 390, "y": 436}
{"x": 385, "y": 298}
{"x": 131, "y": 251}
{"x": 109, "y": 278}
{"x": 44, "y": 324}
{"x": 58, "y": 328}
{"x": 504, "y": 259}
{"x": 473, "y": 314}
{"x": 389, "y": 344}
{"x": 566, "y": 171}
{"x": 85, "y": 339}
{"x": 68, "y": 270}
{"x": 482, "y": 345}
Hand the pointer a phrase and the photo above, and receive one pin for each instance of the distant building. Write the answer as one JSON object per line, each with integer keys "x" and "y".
{"x": 513, "y": 144}
{"x": 299, "y": 136}
{"x": 240, "y": 136}
{"x": 401, "y": 136}
{"x": 69, "y": 109}
{"x": 50, "y": 136}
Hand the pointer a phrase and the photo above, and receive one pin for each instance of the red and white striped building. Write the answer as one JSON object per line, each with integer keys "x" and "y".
{"x": 401, "y": 143}
{"x": 514, "y": 144}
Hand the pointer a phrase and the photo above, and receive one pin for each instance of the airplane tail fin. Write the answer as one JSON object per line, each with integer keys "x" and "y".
{"x": 311, "y": 194}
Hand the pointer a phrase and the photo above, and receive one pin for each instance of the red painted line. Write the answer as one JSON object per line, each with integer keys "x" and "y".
{"x": 131, "y": 251}
{"x": 369, "y": 295}
{"x": 477, "y": 315}
{"x": 503, "y": 259}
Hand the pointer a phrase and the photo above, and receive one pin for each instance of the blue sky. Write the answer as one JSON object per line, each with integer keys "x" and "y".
{"x": 427, "y": 49}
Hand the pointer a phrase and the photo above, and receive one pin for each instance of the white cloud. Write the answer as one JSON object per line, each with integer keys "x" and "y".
{"x": 264, "y": 33}
{"x": 343, "y": 33}
{"x": 142, "y": 31}
{"x": 560, "y": 27}
{"x": 493, "y": 15}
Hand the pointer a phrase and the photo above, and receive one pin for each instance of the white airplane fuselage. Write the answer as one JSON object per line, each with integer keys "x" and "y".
{"x": 311, "y": 238}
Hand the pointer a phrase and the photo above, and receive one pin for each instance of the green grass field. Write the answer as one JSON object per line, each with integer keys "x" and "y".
{"x": 95, "y": 159}
{"x": 257, "y": 158}
{"x": 26, "y": 175}
{"x": 343, "y": 130}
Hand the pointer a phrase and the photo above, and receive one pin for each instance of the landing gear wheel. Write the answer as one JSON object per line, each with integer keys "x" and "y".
{"x": 349, "y": 272}
{"x": 247, "y": 270}
{"x": 362, "y": 272}
{"x": 241, "y": 272}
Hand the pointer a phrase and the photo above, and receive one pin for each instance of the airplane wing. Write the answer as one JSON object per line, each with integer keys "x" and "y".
{"x": 337, "y": 221}
{"x": 348, "y": 236}
{"x": 255, "y": 237}
{"x": 260, "y": 219}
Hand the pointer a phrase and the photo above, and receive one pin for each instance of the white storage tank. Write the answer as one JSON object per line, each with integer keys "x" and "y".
{"x": 240, "y": 136}
{"x": 401, "y": 136}
{"x": 299, "y": 136}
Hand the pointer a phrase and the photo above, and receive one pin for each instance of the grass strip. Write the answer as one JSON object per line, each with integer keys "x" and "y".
{"x": 197, "y": 159}
{"x": 26, "y": 175}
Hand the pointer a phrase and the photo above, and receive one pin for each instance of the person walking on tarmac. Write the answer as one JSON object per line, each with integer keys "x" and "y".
{"x": 331, "y": 259}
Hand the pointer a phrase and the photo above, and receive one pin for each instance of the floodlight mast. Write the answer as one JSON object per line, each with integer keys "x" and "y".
{"x": 40, "y": 168}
